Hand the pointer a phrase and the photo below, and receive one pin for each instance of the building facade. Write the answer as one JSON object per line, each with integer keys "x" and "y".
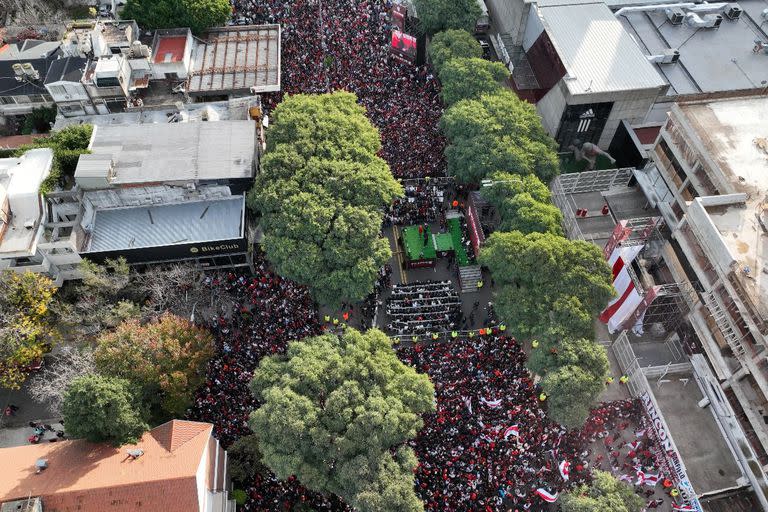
{"x": 708, "y": 177}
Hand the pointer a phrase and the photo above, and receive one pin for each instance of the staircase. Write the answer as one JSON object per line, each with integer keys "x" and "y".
{"x": 468, "y": 278}
{"x": 723, "y": 322}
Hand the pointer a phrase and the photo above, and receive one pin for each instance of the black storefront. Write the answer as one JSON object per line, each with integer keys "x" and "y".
{"x": 217, "y": 254}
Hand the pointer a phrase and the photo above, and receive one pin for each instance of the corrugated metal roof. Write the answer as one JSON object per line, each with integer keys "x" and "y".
{"x": 598, "y": 54}
{"x": 237, "y": 59}
{"x": 167, "y": 152}
{"x": 117, "y": 229}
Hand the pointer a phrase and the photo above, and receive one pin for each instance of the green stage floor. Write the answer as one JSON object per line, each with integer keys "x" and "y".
{"x": 454, "y": 227}
{"x": 415, "y": 248}
{"x": 443, "y": 242}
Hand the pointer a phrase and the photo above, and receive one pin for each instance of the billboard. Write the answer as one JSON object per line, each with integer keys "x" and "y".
{"x": 404, "y": 45}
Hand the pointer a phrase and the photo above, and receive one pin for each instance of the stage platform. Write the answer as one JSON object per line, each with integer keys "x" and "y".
{"x": 419, "y": 249}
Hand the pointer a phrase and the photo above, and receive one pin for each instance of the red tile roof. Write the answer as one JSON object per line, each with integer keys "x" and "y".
{"x": 87, "y": 477}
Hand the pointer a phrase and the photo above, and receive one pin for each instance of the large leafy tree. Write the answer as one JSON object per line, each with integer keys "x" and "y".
{"x": 165, "y": 359}
{"x": 25, "y": 328}
{"x": 586, "y": 354}
{"x": 198, "y": 15}
{"x": 336, "y": 411}
{"x": 244, "y": 460}
{"x": 604, "y": 494}
{"x": 470, "y": 78}
{"x": 574, "y": 373}
{"x": 536, "y": 271}
{"x": 571, "y": 390}
{"x": 523, "y": 204}
{"x": 497, "y": 132}
{"x": 437, "y": 15}
{"x": 321, "y": 194}
{"x": 452, "y": 44}
{"x": 102, "y": 409}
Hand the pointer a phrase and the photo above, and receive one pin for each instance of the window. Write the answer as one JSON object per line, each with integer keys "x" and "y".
{"x": 7, "y": 100}
{"x": 22, "y": 99}
{"x": 36, "y": 98}
{"x": 107, "y": 82}
{"x": 674, "y": 167}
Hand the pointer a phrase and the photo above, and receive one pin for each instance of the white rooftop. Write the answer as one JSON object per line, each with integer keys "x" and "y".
{"x": 735, "y": 135}
{"x": 711, "y": 60}
{"x": 20, "y": 180}
{"x": 598, "y": 54}
{"x": 173, "y": 152}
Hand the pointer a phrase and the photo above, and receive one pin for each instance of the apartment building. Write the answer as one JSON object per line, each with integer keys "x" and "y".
{"x": 708, "y": 177}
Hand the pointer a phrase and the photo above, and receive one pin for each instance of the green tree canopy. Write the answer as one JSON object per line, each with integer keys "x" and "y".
{"x": 437, "y": 15}
{"x": 333, "y": 410}
{"x": 586, "y": 354}
{"x": 165, "y": 359}
{"x": 452, "y": 44}
{"x": 497, "y": 132}
{"x": 102, "y": 409}
{"x": 605, "y": 494}
{"x": 244, "y": 459}
{"x": 321, "y": 195}
{"x": 571, "y": 390}
{"x": 470, "y": 78}
{"x": 25, "y": 328}
{"x": 198, "y": 15}
{"x": 523, "y": 204}
{"x": 535, "y": 270}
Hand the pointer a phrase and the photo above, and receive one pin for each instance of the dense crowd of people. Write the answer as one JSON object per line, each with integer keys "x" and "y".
{"x": 423, "y": 203}
{"x": 330, "y": 45}
{"x": 490, "y": 447}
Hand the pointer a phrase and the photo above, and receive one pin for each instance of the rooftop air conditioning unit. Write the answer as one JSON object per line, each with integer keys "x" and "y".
{"x": 708, "y": 21}
{"x": 667, "y": 56}
{"x": 675, "y": 15}
{"x": 30, "y": 71}
{"x": 18, "y": 71}
{"x": 732, "y": 11}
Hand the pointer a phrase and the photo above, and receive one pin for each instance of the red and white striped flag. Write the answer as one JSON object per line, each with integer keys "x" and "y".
{"x": 682, "y": 508}
{"x": 493, "y": 404}
{"x": 514, "y": 430}
{"x": 565, "y": 470}
{"x": 626, "y": 478}
{"x": 634, "y": 445}
{"x": 646, "y": 478}
{"x": 546, "y": 495}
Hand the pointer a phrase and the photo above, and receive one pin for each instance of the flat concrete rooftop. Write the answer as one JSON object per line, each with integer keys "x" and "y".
{"x": 711, "y": 59}
{"x": 735, "y": 136}
{"x": 708, "y": 460}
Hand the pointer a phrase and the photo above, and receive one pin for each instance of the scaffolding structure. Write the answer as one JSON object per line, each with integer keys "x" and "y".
{"x": 565, "y": 186}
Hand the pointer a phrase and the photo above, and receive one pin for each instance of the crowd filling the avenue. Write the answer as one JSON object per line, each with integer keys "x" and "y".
{"x": 489, "y": 446}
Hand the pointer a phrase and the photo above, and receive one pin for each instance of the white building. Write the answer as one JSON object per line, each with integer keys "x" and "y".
{"x": 24, "y": 242}
{"x": 709, "y": 179}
